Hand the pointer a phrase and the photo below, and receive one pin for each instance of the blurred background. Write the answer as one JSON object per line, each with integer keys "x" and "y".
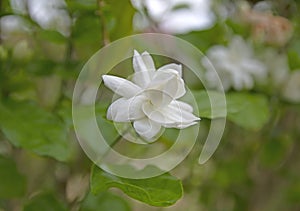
{"x": 253, "y": 45}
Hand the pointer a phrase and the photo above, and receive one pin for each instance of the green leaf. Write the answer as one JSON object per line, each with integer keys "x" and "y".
{"x": 13, "y": 184}
{"x": 79, "y": 5}
{"x": 107, "y": 127}
{"x": 28, "y": 126}
{"x": 121, "y": 18}
{"x": 51, "y": 36}
{"x": 160, "y": 191}
{"x": 45, "y": 202}
{"x": 250, "y": 111}
{"x": 204, "y": 104}
{"x": 206, "y": 38}
{"x": 86, "y": 35}
{"x": 104, "y": 202}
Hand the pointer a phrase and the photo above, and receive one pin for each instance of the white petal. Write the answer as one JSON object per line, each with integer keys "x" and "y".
{"x": 144, "y": 68}
{"x": 155, "y": 114}
{"x": 177, "y": 67}
{"x": 135, "y": 105}
{"x": 118, "y": 111}
{"x": 124, "y": 110}
{"x": 121, "y": 86}
{"x": 217, "y": 54}
{"x": 177, "y": 112}
{"x": 255, "y": 67}
{"x": 138, "y": 63}
{"x": 174, "y": 115}
{"x": 143, "y": 79}
{"x": 180, "y": 125}
{"x": 169, "y": 82}
{"x": 158, "y": 97}
{"x": 238, "y": 46}
{"x": 146, "y": 128}
{"x": 184, "y": 106}
{"x": 148, "y": 61}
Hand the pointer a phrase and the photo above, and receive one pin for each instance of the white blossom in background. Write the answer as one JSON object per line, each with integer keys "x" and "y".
{"x": 49, "y": 14}
{"x": 291, "y": 90}
{"x": 235, "y": 65}
{"x": 150, "y": 100}
{"x": 173, "y": 16}
{"x": 277, "y": 65}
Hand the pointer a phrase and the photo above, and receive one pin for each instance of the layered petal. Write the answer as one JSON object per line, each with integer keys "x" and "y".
{"x": 118, "y": 111}
{"x": 179, "y": 114}
{"x": 182, "y": 105}
{"x": 121, "y": 86}
{"x": 157, "y": 98}
{"x": 148, "y": 61}
{"x": 146, "y": 128}
{"x": 143, "y": 66}
{"x": 175, "y": 114}
{"x": 169, "y": 82}
{"x": 176, "y": 67}
{"x": 179, "y": 125}
{"x": 151, "y": 102}
{"x": 125, "y": 110}
{"x": 135, "y": 105}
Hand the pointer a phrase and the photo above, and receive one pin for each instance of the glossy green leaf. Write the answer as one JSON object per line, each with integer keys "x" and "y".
{"x": 107, "y": 127}
{"x": 247, "y": 110}
{"x": 12, "y": 183}
{"x": 86, "y": 35}
{"x": 161, "y": 191}
{"x": 206, "y": 38}
{"x": 28, "y": 126}
{"x": 45, "y": 202}
{"x": 204, "y": 104}
{"x": 250, "y": 111}
{"x": 104, "y": 202}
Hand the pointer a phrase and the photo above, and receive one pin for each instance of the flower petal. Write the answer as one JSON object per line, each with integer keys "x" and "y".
{"x": 178, "y": 113}
{"x": 146, "y": 128}
{"x": 148, "y": 61}
{"x": 182, "y": 105}
{"x": 173, "y": 66}
{"x": 169, "y": 82}
{"x": 157, "y": 97}
{"x": 135, "y": 105}
{"x": 180, "y": 125}
{"x": 121, "y": 86}
{"x": 143, "y": 66}
{"x": 174, "y": 115}
{"x": 155, "y": 114}
{"x": 138, "y": 63}
{"x": 118, "y": 111}
{"x": 125, "y": 110}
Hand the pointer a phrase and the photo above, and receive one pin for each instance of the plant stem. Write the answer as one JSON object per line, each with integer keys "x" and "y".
{"x": 104, "y": 30}
{"x": 0, "y": 22}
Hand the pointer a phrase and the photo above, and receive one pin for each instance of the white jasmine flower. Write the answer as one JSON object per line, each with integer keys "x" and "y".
{"x": 235, "y": 66}
{"x": 291, "y": 89}
{"x": 150, "y": 100}
{"x": 277, "y": 65}
{"x": 173, "y": 16}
